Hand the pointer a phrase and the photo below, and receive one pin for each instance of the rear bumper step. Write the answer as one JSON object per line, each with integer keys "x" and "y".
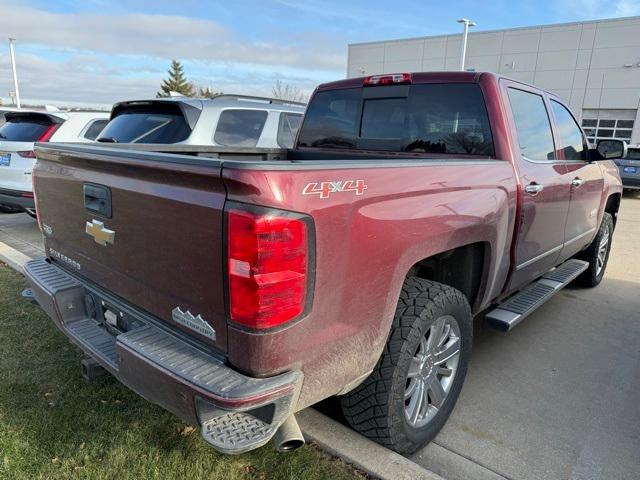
{"x": 516, "y": 308}
{"x": 236, "y": 413}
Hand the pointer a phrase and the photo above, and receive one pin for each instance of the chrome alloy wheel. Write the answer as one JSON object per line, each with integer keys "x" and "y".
{"x": 432, "y": 370}
{"x": 603, "y": 248}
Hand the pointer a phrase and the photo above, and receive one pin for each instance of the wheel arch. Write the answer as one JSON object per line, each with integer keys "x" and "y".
{"x": 464, "y": 268}
{"x": 612, "y": 206}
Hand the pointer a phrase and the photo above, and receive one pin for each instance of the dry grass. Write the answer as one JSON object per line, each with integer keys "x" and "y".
{"x": 53, "y": 425}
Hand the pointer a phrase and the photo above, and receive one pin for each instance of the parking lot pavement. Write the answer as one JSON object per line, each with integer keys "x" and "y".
{"x": 20, "y": 231}
{"x": 559, "y": 396}
{"x": 556, "y": 398}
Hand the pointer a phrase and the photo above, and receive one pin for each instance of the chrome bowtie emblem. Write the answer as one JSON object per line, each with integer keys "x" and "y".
{"x": 100, "y": 234}
{"x": 195, "y": 323}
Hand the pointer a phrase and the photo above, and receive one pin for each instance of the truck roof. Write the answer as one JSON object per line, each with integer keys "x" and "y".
{"x": 417, "y": 77}
{"x": 427, "y": 77}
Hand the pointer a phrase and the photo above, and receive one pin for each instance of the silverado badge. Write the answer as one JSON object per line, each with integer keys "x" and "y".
{"x": 195, "y": 323}
{"x": 100, "y": 234}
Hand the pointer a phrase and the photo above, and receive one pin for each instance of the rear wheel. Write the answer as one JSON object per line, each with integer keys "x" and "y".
{"x": 409, "y": 396}
{"x": 597, "y": 254}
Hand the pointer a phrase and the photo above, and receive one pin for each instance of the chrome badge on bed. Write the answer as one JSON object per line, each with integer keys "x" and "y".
{"x": 195, "y": 323}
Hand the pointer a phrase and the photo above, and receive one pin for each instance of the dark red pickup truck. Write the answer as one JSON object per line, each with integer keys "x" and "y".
{"x": 236, "y": 291}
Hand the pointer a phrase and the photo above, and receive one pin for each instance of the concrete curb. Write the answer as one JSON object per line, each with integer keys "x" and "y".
{"x": 13, "y": 257}
{"x": 345, "y": 443}
{"x": 332, "y": 436}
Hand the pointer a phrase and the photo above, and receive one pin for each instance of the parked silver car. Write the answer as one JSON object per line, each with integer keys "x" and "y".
{"x": 224, "y": 121}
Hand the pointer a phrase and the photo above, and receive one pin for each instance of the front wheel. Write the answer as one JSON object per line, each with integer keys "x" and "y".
{"x": 410, "y": 394}
{"x": 597, "y": 254}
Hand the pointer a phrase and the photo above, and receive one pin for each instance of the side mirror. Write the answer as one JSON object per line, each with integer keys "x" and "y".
{"x": 611, "y": 149}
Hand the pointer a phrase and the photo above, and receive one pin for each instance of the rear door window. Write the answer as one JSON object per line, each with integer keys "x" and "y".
{"x": 533, "y": 126}
{"x": 288, "y": 128}
{"x": 24, "y": 128}
{"x": 146, "y": 125}
{"x": 240, "y": 128}
{"x": 94, "y": 129}
{"x": 572, "y": 142}
{"x": 428, "y": 118}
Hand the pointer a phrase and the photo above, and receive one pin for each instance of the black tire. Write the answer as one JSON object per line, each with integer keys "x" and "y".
{"x": 591, "y": 276}
{"x": 376, "y": 408}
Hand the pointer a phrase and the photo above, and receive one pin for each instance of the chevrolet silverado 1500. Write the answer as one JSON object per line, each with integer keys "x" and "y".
{"x": 236, "y": 291}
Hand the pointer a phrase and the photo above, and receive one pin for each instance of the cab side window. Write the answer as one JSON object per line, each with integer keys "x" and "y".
{"x": 571, "y": 141}
{"x": 532, "y": 125}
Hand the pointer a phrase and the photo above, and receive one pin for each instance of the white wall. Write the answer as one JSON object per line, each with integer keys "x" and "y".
{"x": 582, "y": 62}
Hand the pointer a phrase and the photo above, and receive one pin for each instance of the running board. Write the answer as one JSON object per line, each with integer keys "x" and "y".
{"x": 516, "y": 308}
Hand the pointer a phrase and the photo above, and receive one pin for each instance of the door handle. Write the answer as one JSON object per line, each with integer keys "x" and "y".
{"x": 533, "y": 188}
{"x": 577, "y": 182}
{"x": 97, "y": 199}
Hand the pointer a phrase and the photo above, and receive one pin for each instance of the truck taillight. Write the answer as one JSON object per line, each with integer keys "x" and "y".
{"x": 391, "y": 79}
{"x": 268, "y": 266}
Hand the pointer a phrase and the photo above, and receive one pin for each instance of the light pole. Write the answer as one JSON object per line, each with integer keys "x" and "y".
{"x": 463, "y": 53}
{"x": 15, "y": 73}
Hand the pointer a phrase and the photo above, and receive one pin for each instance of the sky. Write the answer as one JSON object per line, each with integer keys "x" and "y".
{"x": 97, "y": 52}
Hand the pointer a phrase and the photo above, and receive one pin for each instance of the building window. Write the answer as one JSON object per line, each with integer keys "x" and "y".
{"x": 595, "y": 129}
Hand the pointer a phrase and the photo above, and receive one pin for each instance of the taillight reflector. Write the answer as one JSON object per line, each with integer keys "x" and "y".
{"x": 48, "y": 133}
{"x": 27, "y": 154}
{"x": 268, "y": 267}
{"x": 391, "y": 79}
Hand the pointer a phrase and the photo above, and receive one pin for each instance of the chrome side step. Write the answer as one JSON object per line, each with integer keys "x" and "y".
{"x": 516, "y": 308}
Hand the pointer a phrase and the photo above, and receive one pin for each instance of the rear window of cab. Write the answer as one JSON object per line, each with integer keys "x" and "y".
{"x": 446, "y": 118}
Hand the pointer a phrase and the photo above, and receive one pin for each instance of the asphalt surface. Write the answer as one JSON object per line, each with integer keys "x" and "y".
{"x": 556, "y": 398}
{"x": 559, "y": 396}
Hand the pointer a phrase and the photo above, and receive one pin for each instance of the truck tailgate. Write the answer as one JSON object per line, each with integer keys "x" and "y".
{"x": 166, "y": 214}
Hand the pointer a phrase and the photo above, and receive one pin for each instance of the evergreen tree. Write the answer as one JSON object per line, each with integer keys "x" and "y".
{"x": 177, "y": 82}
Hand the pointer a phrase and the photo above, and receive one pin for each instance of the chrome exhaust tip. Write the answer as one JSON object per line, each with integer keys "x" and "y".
{"x": 288, "y": 437}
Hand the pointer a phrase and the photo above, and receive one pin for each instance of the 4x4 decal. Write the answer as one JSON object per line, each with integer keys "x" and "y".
{"x": 324, "y": 189}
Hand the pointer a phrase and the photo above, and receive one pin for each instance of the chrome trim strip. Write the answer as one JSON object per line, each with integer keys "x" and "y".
{"x": 553, "y": 250}
{"x": 575, "y": 239}
{"x": 542, "y": 255}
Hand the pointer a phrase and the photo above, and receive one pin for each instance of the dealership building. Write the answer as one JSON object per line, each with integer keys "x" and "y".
{"x": 594, "y": 66}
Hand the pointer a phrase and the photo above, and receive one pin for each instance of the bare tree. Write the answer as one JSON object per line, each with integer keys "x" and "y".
{"x": 204, "y": 92}
{"x": 288, "y": 92}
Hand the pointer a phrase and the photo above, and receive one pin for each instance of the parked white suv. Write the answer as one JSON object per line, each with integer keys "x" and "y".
{"x": 223, "y": 121}
{"x": 20, "y": 130}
